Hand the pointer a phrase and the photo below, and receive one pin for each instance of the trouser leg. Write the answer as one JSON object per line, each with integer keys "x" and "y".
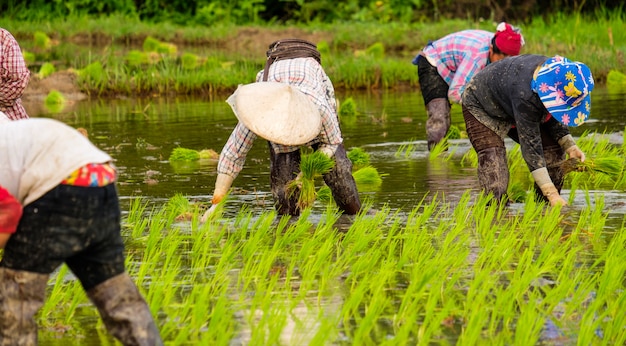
{"x": 22, "y": 294}
{"x": 124, "y": 312}
{"x": 342, "y": 184}
{"x": 284, "y": 167}
{"x": 438, "y": 122}
{"x": 493, "y": 170}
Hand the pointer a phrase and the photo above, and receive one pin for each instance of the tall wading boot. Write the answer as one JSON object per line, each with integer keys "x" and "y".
{"x": 283, "y": 169}
{"x": 124, "y": 312}
{"x": 493, "y": 172}
{"x": 438, "y": 122}
{"x": 22, "y": 294}
{"x": 342, "y": 184}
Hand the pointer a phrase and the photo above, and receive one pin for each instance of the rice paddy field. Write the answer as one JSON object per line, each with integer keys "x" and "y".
{"x": 429, "y": 261}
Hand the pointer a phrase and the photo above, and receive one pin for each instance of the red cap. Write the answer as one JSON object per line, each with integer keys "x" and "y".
{"x": 10, "y": 212}
{"x": 508, "y": 39}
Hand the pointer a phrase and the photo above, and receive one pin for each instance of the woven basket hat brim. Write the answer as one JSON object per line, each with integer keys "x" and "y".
{"x": 277, "y": 112}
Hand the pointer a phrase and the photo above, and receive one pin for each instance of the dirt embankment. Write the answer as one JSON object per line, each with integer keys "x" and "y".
{"x": 253, "y": 41}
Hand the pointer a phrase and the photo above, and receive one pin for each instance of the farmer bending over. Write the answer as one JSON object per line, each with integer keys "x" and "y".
{"x": 532, "y": 99}
{"x": 14, "y": 77}
{"x": 445, "y": 66}
{"x": 59, "y": 204}
{"x": 295, "y": 65}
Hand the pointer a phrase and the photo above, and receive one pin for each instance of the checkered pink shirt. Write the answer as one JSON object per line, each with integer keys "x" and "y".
{"x": 459, "y": 56}
{"x": 309, "y": 77}
{"x": 14, "y": 77}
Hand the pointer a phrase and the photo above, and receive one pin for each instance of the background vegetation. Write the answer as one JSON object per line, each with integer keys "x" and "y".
{"x": 149, "y": 47}
{"x": 208, "y": 12}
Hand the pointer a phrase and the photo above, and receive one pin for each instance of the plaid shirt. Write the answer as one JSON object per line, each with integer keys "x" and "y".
{"x": 14, "y": 77}
{"x": 308, "y": 76}
{"x": 458, "y": 57}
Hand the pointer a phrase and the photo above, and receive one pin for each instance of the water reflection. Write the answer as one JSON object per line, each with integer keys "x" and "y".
{"x": 141, "y": 134}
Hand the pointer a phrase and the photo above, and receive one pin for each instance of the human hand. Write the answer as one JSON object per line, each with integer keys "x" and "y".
{"x": 209, "y": 213}
{"x": 575, "y": 152}
{"x": 553, "y": 196}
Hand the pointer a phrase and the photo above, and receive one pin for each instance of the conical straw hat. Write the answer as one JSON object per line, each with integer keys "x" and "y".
{"x": 277, "y": 112}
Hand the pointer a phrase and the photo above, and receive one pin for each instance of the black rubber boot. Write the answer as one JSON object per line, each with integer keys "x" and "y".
{"x": 438, "y": 122}
{"x": 22, "y": 294}
{"x": 124, "y": 312}
{"x": 284, "y": 168}
{"x": 493, "y": 172}
{"x": 342, "y": 184}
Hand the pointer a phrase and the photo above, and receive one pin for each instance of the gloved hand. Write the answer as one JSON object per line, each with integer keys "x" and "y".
{"x": 222, "y": 185}
{"x": 552, "y": 194}
{"x": 575, "y": 152}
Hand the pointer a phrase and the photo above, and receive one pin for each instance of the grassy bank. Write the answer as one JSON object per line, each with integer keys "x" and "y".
{"x": 117, "y": 55}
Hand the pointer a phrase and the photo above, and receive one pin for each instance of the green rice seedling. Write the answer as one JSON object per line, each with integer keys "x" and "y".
{"x": 615, "y": 80}
{"x": 376, "y": 50}
{"x": 611, "y": 167}
{"x": 41, "y": 40}
{"x": 184, "y": 154}
{"x": 454, "y": 132}
{"x": 46, "y": 69}
{"x": 189, "y": 61}
{"x": 324, "y": 194}
{"x": 136, "y": 58}
{"x": 439, "y": 149}
{"x": 29, "y": 57}
{"x": 367, "y": 176}
{"x": 347, "y": 108}
{"x": 517, "y": 192}
{"x": 405, "y": 150}
{"x": 55, "y": 101}
{"x": 312, "y": 165}
{"x": 151, "y": 44}
{"x": 359, "y": 158}
{"x": 94, "y": 76}
{"x": 323, "y": 47}
{"x": 54, "y": 97}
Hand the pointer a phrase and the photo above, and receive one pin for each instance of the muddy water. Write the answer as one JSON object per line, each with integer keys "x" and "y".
{"x": 141, "y": 134}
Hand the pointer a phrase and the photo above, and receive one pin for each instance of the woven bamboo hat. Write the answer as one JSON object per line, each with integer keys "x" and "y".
{"x": 277, "y": 112}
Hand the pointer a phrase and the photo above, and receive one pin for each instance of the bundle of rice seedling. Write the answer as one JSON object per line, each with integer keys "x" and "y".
{"x": 611, "y": 166}
{"x": 347, "y": 107}
{"x": 311, "y": 166}
{"x": 368, "y": 176}
{"x": 185, "y": 154}
{"x": 359, "y": 158}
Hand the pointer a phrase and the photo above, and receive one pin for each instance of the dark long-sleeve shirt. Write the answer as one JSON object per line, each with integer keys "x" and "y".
{"x": 500, "y": 96}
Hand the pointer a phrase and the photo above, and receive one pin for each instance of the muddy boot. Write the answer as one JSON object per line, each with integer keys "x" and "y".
{"x": 283, "y": 169}
{"x": 438, "y": 122}
{"x": 22, "y": 294}
{"x": 342, "y": 184}
{"x": 493, "y": 172}
{"x": 124, "y": 311}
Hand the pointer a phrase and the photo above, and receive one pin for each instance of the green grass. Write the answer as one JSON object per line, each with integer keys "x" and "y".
{"x": 163, "y": 58}
{"x": 468, "y": 273}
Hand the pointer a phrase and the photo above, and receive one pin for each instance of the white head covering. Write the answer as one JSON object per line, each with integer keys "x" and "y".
{"x": 277, "y": 112}
{"x": 4, "y": 118}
